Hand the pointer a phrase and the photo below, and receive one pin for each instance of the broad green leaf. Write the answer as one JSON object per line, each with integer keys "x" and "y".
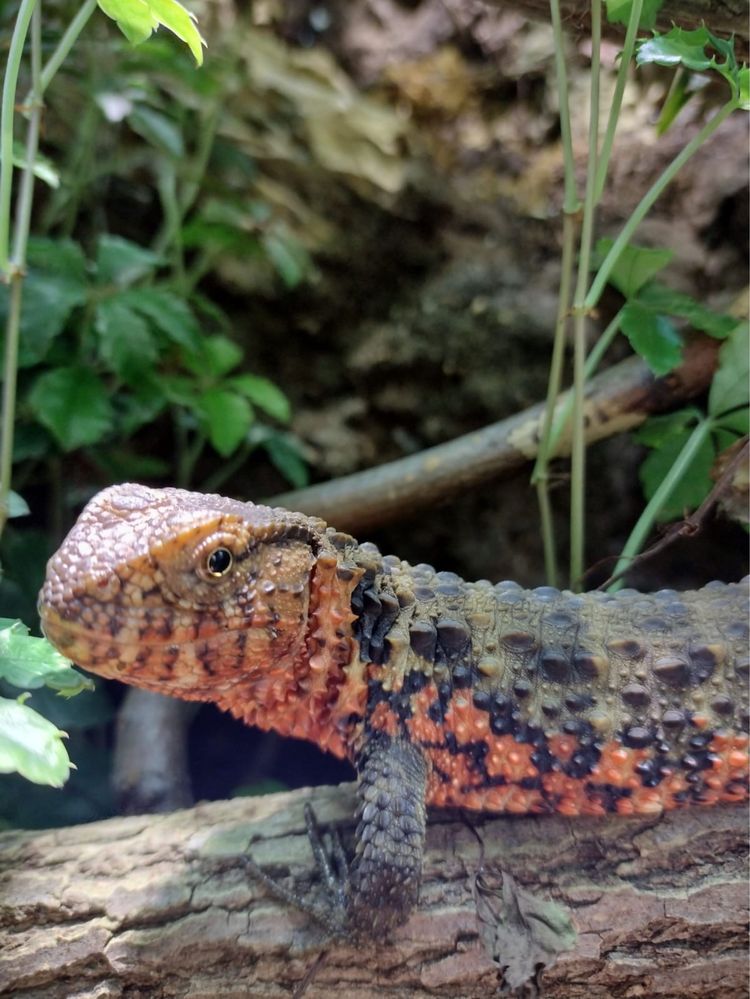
{"x": 652, "y": 336}
{"x": 31, "y": 441}
{"x": 133, "y": 17}
{"x": 126, "y": 344}
{"x": 138, "y": 18}
{"x": 264, "y": 394}
{"x": 17, "y": 506}
{"x": 145, "y": 401}
{"x": 181, "y": 23}
{"x": 157, "y": 129}
{"x": 695, "y": 484}
{"x": 42, "y": 168}
{"x": 657, "y": 429}
{"x": 226, "y": 418}
{"x": 668, "y": 302}
{"x": 677, "y": 47}
{"x": 73, "y": 404}
{"x": 737, "y": 422}
{"x": 30, "y": 662}
{"x": 62, "y": 257}
{"x": 168, "y": 312}
{"x": 178, "y": 389}
{"x": 729, "y": 389}
{"x": 218, "y": 355}
{"x": 635, "y": 266}
{"x": 284, "y": 453}
{"x": 31, "y": 746}
{"x": 120, "y": 262}
{"x": 48, "y": 300}
{"x": 288, "y": 257}
{"x": 618, "y": 12}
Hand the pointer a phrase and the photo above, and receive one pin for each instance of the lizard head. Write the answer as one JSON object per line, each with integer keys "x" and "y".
{"x": 197, "y": 596}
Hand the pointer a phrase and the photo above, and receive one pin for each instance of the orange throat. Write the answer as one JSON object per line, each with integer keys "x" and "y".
{"x": 319, "y": 691}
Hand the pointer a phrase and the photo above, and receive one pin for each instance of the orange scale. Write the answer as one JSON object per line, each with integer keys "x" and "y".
{"x": 741, "y": 741}
{"x": 625, "y": 807}
{"x": 522, "y": 801}
{"x": 568, "y": 807}
{"x": 562, "y": 746}
{"x": 737, "y": 760}
{"x": 384, "y": 720}
{"x": 648, "y": 801}
{"x": 700, "y": 721}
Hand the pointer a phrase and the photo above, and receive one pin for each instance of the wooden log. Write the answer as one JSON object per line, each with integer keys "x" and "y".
{"x": 161, "y": 905}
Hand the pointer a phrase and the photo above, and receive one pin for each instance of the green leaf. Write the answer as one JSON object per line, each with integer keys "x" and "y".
{"x": 17, "y": 506}
{"x": 694, "y": 485}
{"x": 157, "y": 129}
{"x": 42, "y": 168}
{"x": 141, "y": 405}
{"x": 73, "y": 404}
{"x": 284, "y": 452}
{"x": 62, "y": 257}
{"x": 652, "y": 336}
{"x": 168, "y": 312}
{"x": 138, "y": 18}
{"x": 48, "y": 300}
{"x": 120, "y": 262}
{"x": 217, "y": 356}
{"x": 635, "y": 266}
{"x": 729, "y": 389}
{"x": 264, "y": 394}
{"x": 677, "y": 47}
{"x": 743, "y": 88}
{"x": 226, "y": 418}
{"x": 288, "y": 257}
{"x": 126, "y": 344}
{"x": 30, "y": 663}
{"x": 31, "y": 746}
{"x": 737, "y": 421}
{"x": 657, "y": 429}
{"x": 665, "y": 300}
{"x": 618, "y": 12}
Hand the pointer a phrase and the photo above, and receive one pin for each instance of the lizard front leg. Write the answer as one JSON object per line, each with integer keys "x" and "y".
{"x": 385, "y": 874}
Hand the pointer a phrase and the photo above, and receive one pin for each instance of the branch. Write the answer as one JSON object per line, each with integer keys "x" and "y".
{"x": 160, "y": 905}
{"x": 617, "y": 400}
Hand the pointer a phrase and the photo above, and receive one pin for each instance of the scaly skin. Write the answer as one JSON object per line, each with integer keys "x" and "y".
{"x": 439, "y": 691}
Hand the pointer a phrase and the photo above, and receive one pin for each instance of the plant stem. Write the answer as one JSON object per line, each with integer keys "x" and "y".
{"x": 578, "y": 444}
{"x": 67, "y": 42}
{"x": 7, "y": 112}
{"x": 655, "y": 505}
{"x": 648, "y": 199}
{"x": 16, "y": 266}
{"x": 571, "y": 207}
{"x": 539, "y": 476}
{"x": 614, "y": 112}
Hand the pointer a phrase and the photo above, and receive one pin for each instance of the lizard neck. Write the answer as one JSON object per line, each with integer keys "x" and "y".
{"x": 320, "y": 691}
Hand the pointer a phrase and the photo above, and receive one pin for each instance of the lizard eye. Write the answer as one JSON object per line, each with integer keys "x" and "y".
{"x": 219, "y": 562}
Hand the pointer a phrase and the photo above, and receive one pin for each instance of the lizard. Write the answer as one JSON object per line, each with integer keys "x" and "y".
{"x": 440, "y": 692}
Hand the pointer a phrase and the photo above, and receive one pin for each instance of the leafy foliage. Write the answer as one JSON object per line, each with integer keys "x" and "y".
{"x": 137, "y": 19}
{"x": 698, "y": 50}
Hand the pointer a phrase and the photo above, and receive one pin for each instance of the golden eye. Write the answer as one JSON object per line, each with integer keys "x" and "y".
{"x": 219, "y": 562}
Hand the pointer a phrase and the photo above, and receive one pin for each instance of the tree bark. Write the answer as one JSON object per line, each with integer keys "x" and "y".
{"x": 161, "y": 905}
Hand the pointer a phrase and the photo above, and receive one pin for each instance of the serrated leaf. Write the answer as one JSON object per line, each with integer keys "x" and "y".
{"x": 652, "y": 336}
{"x": 62, "y": 257}
{"x": 17, "y": 506}
{"x": 121, "y": 262}
{"x": 218, "y": 355}
{"x": 157, "y": 129}
{"x": 31, "y": 746}
{"x": 29, "y": 662}
{"x": 635, "y": 266}
{"x": 126, "y": 344}
{"x": 264, "y": 394}
{"x": 677, "y": 47}
{"x": 665, "y": 300}
{"x": 729, "y": 388}
{"x": 73, "y": 404}
{"x": 138, "y": 18}
{"x": 657, "y": 429}
{"x": 168, "y": 312}
{"x": 226, "y": 418}
{"x": 694, "y": 485}
{"x": 618, "y": 12}
{"x": 48, "y": 300}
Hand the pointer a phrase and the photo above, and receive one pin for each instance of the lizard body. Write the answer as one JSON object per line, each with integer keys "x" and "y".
{"x": 439, "y": 691}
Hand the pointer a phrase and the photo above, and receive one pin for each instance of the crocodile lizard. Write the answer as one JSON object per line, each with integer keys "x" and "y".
{"x": 439, "y": 691}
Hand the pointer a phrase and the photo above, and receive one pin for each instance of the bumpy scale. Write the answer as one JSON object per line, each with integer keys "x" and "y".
{"x": 439, "y": 691}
